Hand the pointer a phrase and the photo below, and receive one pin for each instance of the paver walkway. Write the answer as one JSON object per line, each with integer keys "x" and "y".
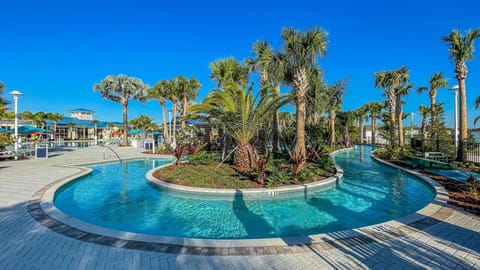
{"x": 452, "y": 243}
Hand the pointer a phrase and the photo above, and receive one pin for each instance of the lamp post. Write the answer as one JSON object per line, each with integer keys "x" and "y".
{"x": 411, "y": 125}
{"x": 455, "y": 113}
{"x": 16, "y": 94}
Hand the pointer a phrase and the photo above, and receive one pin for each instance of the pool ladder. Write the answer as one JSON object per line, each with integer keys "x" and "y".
{"x": 105, "y": 146}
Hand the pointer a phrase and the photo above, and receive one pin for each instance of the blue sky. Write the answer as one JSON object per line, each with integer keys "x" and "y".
{"x": 55, "y": 51}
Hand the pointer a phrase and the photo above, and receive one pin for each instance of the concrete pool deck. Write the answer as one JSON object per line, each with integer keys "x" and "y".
{"x": 447, "y": 239}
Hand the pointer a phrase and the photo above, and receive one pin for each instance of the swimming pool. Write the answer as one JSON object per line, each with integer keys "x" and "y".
{"x": 117, "y": 196}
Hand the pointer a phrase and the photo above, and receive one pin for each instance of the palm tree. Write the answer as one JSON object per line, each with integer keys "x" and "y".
{"x": 389, "y": 81}
{"x": 262, "y": 61}
{"x": 348, "y": 118}
{"x": 173, "y": 94}
{"x": 461, "y": 50}
{"x": 121, "y": 89}
{"x": 301, "y": 53}
{"x": 37, "y": 118}
{"x": 374, "y": 108}
{"x": 160, "y": 92}
{"x": 402, "y": 90}
{"x": 3, "y": 101}
{"x": 361, "y": 114}
{"x": 425, "y": 112}
{"x": 189, "y": 92}
{"x": 242, "y": 114}
{"x": 229, "y": 70}
{"x": 143, "y": 122}
{"x": 335, "y": 94}
{"x": 436, "y": 81}
{"x": 55, "y": 118}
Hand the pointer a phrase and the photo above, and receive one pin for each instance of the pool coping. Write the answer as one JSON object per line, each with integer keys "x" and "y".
{"x": 41, "y": 208}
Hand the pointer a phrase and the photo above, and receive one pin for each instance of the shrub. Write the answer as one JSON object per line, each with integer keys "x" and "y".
{"x": 203, "y": 158}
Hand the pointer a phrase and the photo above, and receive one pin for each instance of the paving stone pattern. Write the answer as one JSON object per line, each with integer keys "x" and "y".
{"x": 30, "y": 239}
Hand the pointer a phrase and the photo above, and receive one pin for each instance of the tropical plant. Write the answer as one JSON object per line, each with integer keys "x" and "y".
{"x": 175, "y": 91}
{"x": 461, "y": 48}
{"x": 121, "y": 89}
{"x": 161, "y": 92}
{"x": 301, "y": 52}
{"x": 143, "y": 122}
{"x": 335, "y": 94}
{"x": 37, "y": 118}
{"x": 55, "y": 118}
{"x": 424, "y": 112}
{"x": 229, "y": 70}
{"x": 436, "y": 82}
{"x": 402, "y": 90}
{"x": 3, "y": 101}
{"x": 361, "y": 115}
{"x": 189, "y": 92}
{"x": 242, "y": 114}
{"x": 374, "y": 108}
{"x": 390, "y": 80}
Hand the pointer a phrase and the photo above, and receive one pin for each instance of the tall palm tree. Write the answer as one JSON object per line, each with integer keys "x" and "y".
{"x": 261, "y": 62}
{"x": 389, "y": 81}
{"x": 242, "y": 114}
{"x": 335, "y": 94}
{"x": 461, "y": 50}
{"x": 161, "y": 92}
{"x": 401, "y": 91}
{"x": 188, "y": 93}
{"x": 361, "y": 114}
{"x": 173, "y": 94}
{"x": 424, "y": 112}
{"x": 37, "y": 118}
{"x": 301, "y": 54}
{"x": 228, "y": 70}
{"x": 121, "y": 89}
{"x": 374, "y": 108}
{"x": 55, "y": 118}
{"x": 436, "y": 81}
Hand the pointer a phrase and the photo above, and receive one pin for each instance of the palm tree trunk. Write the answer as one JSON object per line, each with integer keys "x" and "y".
{"x": 433, "y": 116}
{"x": 393, "y": 108}
{"x": 184, "y": 104}
{"x": 54, "y": 129}
{"x": 244, "y": 157}
{"x": 301, "y": 85}
{"x": 424, "y": 128}
{"x": 276, "y": 126}
{"x": 174, "y": 119}
{"x": 374, "y": 129}
{"x": 300, "y": 115}
{"x": 361, "y": 129}
{"x": 164, "y": 120}
{"x": 332, "y": 127}
{"x": 463, "y": 119}
{"x": 400, "y": 128}
{"x": 125, "y": 124}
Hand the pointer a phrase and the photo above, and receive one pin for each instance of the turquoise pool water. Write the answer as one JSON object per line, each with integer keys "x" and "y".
{"x": 117, "y": 196}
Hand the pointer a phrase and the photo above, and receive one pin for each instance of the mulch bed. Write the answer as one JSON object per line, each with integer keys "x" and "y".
{"x": 458, "y": 193}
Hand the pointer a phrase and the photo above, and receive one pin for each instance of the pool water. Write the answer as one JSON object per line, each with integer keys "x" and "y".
{"x": 117, "y": 196}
